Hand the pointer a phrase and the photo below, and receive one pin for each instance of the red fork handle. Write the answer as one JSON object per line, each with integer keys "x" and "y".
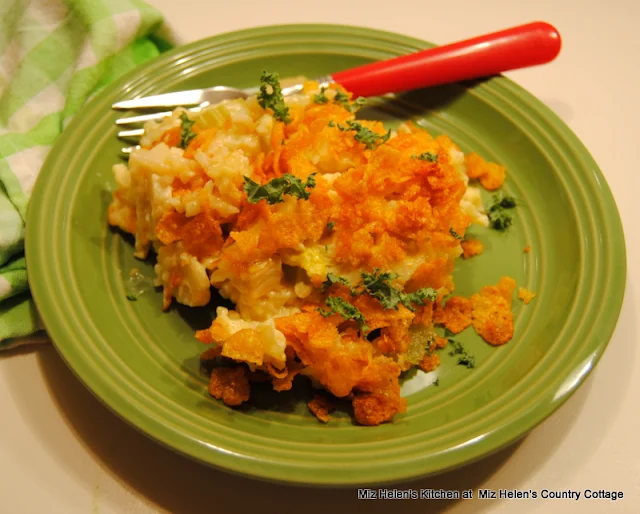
{"x": 510, "y": 49}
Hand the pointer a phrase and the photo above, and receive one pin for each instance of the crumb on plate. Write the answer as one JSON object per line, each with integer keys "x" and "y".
{"x": 525, "y": 295}
{"x": 471, "y": 247}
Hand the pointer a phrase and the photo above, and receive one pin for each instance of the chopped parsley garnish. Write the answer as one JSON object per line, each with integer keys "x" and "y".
{"x": 418, "y": 297}
{"x": 365, "y": 135}
{"x": 508, "y": 202}
{"x": 499, "y": 218}
{"x": 330, "y": 225}
{"x": 426, "y": 156}
{"x": 273, "y": 190}
{"x": 332, "y": 123}
{"x": 455, "y": 234}
{"x": 378, "y": 286}
{"x": 132, "y": 297}
{"x": 345, "y": 309}
{"x": 321, "y": 98}
{"x": 464, "y": 357}
{"x": 436, "y": 382}
{"x": 186, "y": 134}
{"x": 271, "y": 97}
{"x": 342, "y": 98}
{"x": 334, "y": 279}
{"x": 360, "y": 102}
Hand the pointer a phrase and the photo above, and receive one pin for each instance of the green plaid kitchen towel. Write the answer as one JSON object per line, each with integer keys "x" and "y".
{"x": 54, "y": 54}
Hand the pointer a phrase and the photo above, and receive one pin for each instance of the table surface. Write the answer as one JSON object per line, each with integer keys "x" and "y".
{"x": 62, "y": 452}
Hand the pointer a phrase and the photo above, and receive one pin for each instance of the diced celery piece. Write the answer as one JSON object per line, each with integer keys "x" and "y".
{"x": 212, "y": 116}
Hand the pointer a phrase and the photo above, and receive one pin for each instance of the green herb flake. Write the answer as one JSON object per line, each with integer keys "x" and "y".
{"x": 426, "y": 156}
{"x": 132, "y": 297}
{"x": 271, "y": 97}
{"x": 436, "y": 382}
{"x": 455, "y": 234}
{"x": 334, "y": 279}
{"x": 342, "y": 98}
{"x": 467, "y": 360}
{"x": 330, "y": 225}
{"x": 359, "y": 103}
{"x": 508, "y": 202}
{"x": 499, "y": 218}
{"x": 378, "y": 285}
{"x": 274, "y": 190}
{"x": 464, "y": 357}
{"x": 419, "y": 297}
{"x": 365, "y": 135}
{"x": 346, "y": 310}
{"x": 186, "y": 133}
{"x": 332, "y": 123}
{"x": 321, "y": 98}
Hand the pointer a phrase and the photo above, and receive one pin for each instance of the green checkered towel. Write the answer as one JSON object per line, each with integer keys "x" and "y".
{"x": 54, "y": 54}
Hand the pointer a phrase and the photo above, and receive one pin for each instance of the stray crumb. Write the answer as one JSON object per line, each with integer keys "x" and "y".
{"x": 441, "y": 342}
{"x": 492, "y": 316}
{"x": 372, "y": 409}
{"x": 320, "y": 406}
{"x": 527, "y": 249}
{"x": 429, "y": 362}
{"x": 471, "y": 247}
{"x": 525, "y": 295}
{"x": 456, "y": 315}
{"x": 231, "y": 385}
{"x": 490, "y": 174}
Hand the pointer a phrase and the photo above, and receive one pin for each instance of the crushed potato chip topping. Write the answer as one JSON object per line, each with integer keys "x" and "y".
{"x": 334, "y": 238}
{"x": 230, "y": 385}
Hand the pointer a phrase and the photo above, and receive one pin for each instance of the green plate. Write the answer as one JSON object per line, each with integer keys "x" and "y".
{"x": 144, "y": 363}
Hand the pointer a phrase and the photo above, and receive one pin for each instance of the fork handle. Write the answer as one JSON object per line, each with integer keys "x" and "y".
{"x": 518, "y": 47}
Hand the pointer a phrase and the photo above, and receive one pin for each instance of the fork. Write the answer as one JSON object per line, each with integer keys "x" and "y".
{"x": 510, "y": 49}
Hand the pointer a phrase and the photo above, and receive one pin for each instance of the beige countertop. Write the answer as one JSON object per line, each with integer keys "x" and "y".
{"x": 62, "y": 452}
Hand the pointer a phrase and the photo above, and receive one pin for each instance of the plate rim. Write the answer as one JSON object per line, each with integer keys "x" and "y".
{"x": 615, "y": 229}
